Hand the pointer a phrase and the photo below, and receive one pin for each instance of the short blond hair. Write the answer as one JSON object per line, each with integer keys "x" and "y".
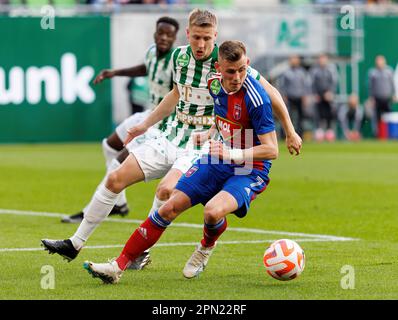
{"x": 202, "y": 18}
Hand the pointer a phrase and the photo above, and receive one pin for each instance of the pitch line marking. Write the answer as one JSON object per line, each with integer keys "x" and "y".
{"x": 170, "y": 244}
{"x": 317, "y": 237}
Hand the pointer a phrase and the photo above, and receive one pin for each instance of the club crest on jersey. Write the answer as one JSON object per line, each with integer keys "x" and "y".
{"x": 237, "y": 111}
{"x": 183, "y": 60}
{"x": 227, "y": 128}
{"x": 191, "y": 171}
{"x": 211, "y": 74}
{"x": 215, "y": 86}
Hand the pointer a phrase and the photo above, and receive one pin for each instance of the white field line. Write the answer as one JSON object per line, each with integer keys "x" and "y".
{"x": 307, "y": 237}
{"x": 170, "y": 244}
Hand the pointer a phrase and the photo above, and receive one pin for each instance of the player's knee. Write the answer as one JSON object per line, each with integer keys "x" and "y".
{"x": 167, "y": 211}
{"x": 163, "y": 191}
{"x": 213, "y": 213}
{"x": 114, "y": 182}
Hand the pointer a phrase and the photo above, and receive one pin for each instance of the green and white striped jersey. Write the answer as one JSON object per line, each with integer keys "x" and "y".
{"x": 160, "y": 78}
{"x": 195, "y": 108}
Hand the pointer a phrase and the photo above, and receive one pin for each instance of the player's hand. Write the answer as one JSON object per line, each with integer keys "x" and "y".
{"x": 134, "y": 132}
{"x": 200, "y": 137}
{"x": 218, "y": 150}
{"x": 104, "y": 74}
{"x": 294, "y": 143}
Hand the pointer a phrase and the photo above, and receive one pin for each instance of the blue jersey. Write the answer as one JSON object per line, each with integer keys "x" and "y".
{"x": 242, "y": 116}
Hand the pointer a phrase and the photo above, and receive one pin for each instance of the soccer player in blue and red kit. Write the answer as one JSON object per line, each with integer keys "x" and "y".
{"x": 227, "y": 179}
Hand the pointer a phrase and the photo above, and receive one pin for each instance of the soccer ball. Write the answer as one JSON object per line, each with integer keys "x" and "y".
{"x": 284, "y": 259}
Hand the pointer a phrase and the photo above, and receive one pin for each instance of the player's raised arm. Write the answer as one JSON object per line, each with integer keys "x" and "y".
{"x": 293, "y": 140}
{"x": 136, "y": 71}
{"x": 163, "y": 110}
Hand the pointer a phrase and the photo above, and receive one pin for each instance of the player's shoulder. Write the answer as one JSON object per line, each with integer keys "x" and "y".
{"x": 255, "y": 92}
{"x": 253, "y": 72}
{"x": 214, "y": 83}
{"x": 180, "y": 56}
{"x": 180, "y": 50}
{"x": 151, "y": 51}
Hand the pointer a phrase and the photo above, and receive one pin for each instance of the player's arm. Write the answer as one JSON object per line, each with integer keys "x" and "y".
{"x": 163, "y": 110}
{"x": 201, "y": 137}
{"x": 293, "y": 140}
{"x": 267, "y": 150}
{"x": 136, "y": 71}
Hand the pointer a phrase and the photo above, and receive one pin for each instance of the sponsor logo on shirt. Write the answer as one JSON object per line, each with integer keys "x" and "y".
{"x": 183, "y": 60}
{"x": 227, "y": 128}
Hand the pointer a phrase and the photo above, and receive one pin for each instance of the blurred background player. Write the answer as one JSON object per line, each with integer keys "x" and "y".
{"x": 350, "y": 116}
{"x": 381, "y": 91}
{"x": 244, "y": 104}
{"x": 157, "y": 66}
{"x": 324, "y": 82}
{"x": 295, "y": 87}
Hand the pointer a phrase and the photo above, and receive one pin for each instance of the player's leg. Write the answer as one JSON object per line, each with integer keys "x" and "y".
{"x": 235, "y": 197}
{"x": 165, "y": 188}
{"x": 144, "y": 237}
{"x": 115, "y": 142}
{"x": 163, "y": 192}
{"x": 215, "y": 223}
{"x": 114, "y": 154}
{"x": 151, "y": 160}
{"x": 111, "y": 145}
{"x": 129, "y": 172}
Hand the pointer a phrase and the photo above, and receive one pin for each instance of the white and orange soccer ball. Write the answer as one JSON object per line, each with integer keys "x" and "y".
{"x": 284, "y": 259}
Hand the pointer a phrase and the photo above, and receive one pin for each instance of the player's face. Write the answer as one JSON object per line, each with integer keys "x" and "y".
{"x": 165, "y": 36}
{"x": 233, "y": 73}
{"x": 201, "y": 40}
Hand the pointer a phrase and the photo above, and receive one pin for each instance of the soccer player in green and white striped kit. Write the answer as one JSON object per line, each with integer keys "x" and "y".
{"x": 172, "y": 154}
{"x": 158, "y": 67}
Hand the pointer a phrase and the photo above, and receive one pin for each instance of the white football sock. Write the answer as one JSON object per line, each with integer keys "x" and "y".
{"x": 109, "y": 153}
{"x": 121, "y": 200}
{"x": 156, "y": 205}
{"x": 98, "y": 209}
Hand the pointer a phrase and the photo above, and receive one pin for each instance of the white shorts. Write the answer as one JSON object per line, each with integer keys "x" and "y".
{"x": 156, "y": 156}
{"x": 133, "y": 120}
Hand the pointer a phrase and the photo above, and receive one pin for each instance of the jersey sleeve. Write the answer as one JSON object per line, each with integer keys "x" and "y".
{"x": 253, "y": 72}
{"x": 214, "y": 85}
{"x": 149, "y": 55}
{"x": 261, "y": 114}
{"x": 174, "y": 56}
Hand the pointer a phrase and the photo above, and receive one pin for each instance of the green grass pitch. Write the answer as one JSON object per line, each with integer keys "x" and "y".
{"x": 343, "y": 190}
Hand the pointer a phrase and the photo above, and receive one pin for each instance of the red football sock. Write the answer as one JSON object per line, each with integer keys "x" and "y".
{"x": 144, "y": 237}
{"x": 212, "y": 232}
